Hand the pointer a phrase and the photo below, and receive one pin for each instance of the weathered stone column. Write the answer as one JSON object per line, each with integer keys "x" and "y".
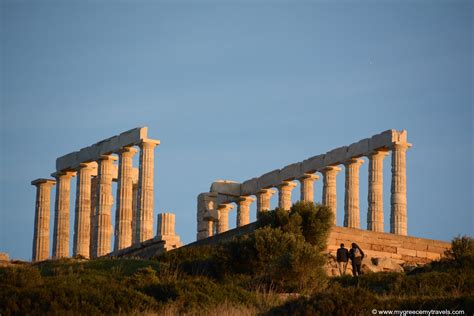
{"x": 307, "y": 187}
{"x": 123, "y": 213}
{"x": 263, "y": 199}
{"x": 223, "y": 213}
{"x": 105, "y": 201}
{"x": 145, "y": 191}
{"x": 61, "y": 215}
{"x": 94, "y": 198}
{"x": 284, "y": 194}
{"x": 398, "y": 214}
{"x": 82, "y": 219}
{"x": 206, "y": 202}
{"x": 42, "y": 216}
{"x": 243, "y": 210}
{"x": 375, "y": 196}
{"x": 330, "y": 188}
{"x": 165, "y": 231}
{"x": 134, "y": 213}
{"x": 351, "y": 197}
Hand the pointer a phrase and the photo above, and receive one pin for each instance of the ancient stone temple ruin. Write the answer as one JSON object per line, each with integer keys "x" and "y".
{"x": 97, "y": 166}
{"x": 95, "y": 169}
{"x": 214, "y": 206}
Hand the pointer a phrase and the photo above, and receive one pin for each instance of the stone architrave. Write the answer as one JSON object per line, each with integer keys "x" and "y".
{"x": 351, "y": 197}
{"x": 82, "y": 220}
{"x": 284, "y": 194}
{"x": 330, "y": 188}
{"x": 243, "y": 210}
{"x": 398, "y": 214}
{"x": 62, "y": 214}
{"x": 307, "y": 187}
{"x": 263, "y": 200}
{"x": 42, "y": 219}
{"x": 145, "y": 191}
{"x": 223, "y": 214}
{"x": 375, "y": 196}
{"x": 123, "y": 214}
{"x": 105, "y": 201}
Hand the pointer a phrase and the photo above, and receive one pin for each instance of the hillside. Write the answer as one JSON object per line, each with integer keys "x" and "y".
{"x": 277, "y": 270}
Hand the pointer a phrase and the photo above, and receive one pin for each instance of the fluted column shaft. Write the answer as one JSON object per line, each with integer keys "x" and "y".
{"x": 263, "y": 200}
{"x": 42, "y": 218}
{"x": 165, "y": 225}
{"x": 330, "y": 188}
{"x": 94, "y": 195}
{"x": 62, "y": 215}
{"x": 134, "y": 213}
{"x": 307, "y": 187}
{"x": 284, "y": 194}
{"x": 206, "y": 202}
{"x": 123, "y": 214}
{"x": 351, "y": 197}
{"x": 243, "y": 210}
{"x": 145, "y": 192}
{"x": 104, "y": 207}
{"x": 82, "y": 220}
{"x": 223, "y": 213}
{"x": 375, "y": 195}
{"x": 398, "y": 214}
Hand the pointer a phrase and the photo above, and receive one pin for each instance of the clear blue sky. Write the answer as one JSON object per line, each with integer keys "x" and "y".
{"x": 236, "y": 89}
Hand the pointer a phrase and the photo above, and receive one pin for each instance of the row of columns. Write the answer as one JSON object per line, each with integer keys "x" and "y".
{"x": 93, "y": 206}
{"x": 375, "y": 217}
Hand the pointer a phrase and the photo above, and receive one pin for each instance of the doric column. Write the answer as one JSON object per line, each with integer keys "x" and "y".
{"x": 134, "y": 213}
{"x": 61, "y": 214}
{"x": 206, "y": 202}
{"x": 145, "y": 191}
{"x": 330, "y": 188}
{"x": 263, "y": 199}
{"x": 284, "y": 194}
{"x": 243, "y": 210}
{"x": 94, "y": 192}
{"x": 123, "y": 214}
{"x": 165, "y": 225}
{"x": 351, "y": 197}
{"x": 398, "y": 214}
{"x": 223, "y": 214}
{"x": 82, "y": 219}
{"x": 307, "y": 187}
{"x": 105, "y": 201}
{"x": 375, "y": 196}
{"x": 42, "y": 215}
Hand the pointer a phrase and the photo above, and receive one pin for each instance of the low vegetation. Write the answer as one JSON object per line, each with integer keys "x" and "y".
{"x": 277, "y": 270}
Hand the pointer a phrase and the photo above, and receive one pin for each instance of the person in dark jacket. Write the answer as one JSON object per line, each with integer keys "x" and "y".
{"x": 356, "y": 255}
{"x": 342, "y": 259}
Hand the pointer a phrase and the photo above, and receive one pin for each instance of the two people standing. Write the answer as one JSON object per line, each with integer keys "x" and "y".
{"x": 355, "y": 254}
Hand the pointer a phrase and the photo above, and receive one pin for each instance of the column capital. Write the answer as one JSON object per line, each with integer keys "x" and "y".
{"x": 149, "y": 142}
{"x": 331, "y": 168}
{"x": 287, "y": 184}
{"x": 354, "y": 161}
{"x": 225, "y": 207}
{"x": 108, "y": 157}
{"x": 246, "y": 199}
{"x": 269, "y": 192}
{"x": 378, "y": 153}
{"x": 61, "y": 174}
{"x": 128, "y": 149}
{"x": 308, "y": 176}
{"x": 43, "y": 181}
{"x": 401, "y": 145}
{"x": 87, "y": 165}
